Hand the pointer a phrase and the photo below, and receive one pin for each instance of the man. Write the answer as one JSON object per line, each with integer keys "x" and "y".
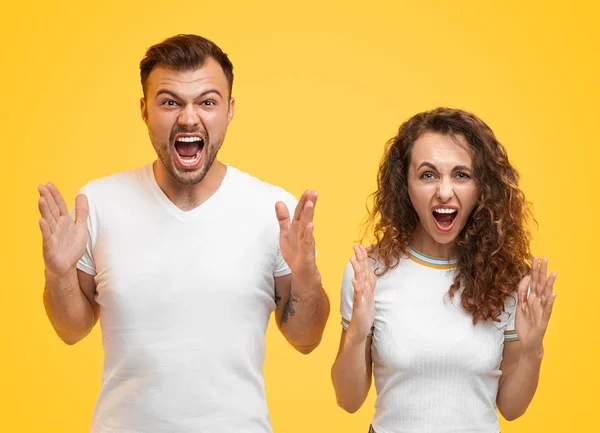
{"x": 183, "y": 261}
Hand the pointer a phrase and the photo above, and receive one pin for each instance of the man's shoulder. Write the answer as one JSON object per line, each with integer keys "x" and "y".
{"x": 257, "y": 188}
{"x": 116, "y": 182}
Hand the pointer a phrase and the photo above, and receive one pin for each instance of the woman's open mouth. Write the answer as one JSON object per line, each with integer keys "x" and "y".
{"x": 444, "y": 218}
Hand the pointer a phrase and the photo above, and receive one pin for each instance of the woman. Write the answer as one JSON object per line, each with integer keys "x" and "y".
{"x": 439, "y": 309}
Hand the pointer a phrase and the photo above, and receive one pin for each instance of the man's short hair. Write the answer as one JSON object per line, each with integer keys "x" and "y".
{"x": 182, "y": 53}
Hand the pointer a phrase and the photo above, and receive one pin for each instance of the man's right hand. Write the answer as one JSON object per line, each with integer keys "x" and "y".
{"x": 64, "y": 239}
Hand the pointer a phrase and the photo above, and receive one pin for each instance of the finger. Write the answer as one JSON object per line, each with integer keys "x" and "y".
{"x": 358, "y": 289}
{"x": 359, "y": 261}
{"x": 548, "y": 309}
{"x": 300, "y": 205}
{"x": 52, "y": 206}
{"x": 307, "y": 215}
{"x": 550, "y": 284}
{"x": 364, "y": 261}
{"x": 522, "y": 290}
{"x": 368, "y": 272}
{"x": 372, "y": 279}
{"x": 46, "y": 232}
{"x": 357, "y": 268}
{"x": 308, "y": 212}
{"x": 533, "y": 301}
{"x": 46, "y": 214}
{"x": 534, "y": 274}
{"x": 307, "y": 238}
{"x": 542, "y": 275}
{"x": 82, "y": 209}
{"x": 313, "y": 196}
{"x": 58, "y": 198}
{"x": 283, "y": 216}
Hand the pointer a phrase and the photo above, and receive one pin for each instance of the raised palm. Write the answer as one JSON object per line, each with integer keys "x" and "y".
{"x": 535, "y": 306}
{"x": 296, "y": 238}
{"x": 64, "y": 239}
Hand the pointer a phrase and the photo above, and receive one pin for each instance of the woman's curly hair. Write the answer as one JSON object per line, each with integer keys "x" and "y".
{"x": 493, "y": 247}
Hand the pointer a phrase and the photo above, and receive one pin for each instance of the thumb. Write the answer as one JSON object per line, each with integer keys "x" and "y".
{"x": 283, "y": 215}
{"x": 82, "y": 209}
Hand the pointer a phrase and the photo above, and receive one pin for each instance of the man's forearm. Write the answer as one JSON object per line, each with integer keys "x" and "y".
{"x": 304, "y": 316}
{"x": 69, "y": 311}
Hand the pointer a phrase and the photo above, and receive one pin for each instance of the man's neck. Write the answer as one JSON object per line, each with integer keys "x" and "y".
{"x": 188, "y": 197}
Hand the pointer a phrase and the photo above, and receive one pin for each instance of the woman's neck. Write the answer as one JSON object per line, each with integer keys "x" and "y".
{"x": 425, "y": 244}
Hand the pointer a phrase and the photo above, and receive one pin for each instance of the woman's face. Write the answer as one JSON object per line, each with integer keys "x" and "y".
{"x": 442, "y": 191}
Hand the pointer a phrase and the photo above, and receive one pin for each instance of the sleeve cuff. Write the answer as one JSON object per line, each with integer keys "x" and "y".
{"x": 87, "y": 269}
{"x": 346, "y": 322}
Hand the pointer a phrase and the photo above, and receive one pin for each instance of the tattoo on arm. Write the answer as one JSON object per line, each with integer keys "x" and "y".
{"x": 288, "y": 310}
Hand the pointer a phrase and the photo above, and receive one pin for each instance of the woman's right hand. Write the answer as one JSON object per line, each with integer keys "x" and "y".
{"x": 363, "y": 307}
{"x": 64, "y": 239}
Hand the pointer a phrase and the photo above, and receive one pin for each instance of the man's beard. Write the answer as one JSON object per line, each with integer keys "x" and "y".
{"x": 187, "y": 178}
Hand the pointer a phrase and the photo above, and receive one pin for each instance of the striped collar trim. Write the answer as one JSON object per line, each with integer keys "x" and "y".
{"x": 431, "y": 262}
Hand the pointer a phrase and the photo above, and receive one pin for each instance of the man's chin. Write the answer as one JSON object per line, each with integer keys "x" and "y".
{"x": 190, "y": 177}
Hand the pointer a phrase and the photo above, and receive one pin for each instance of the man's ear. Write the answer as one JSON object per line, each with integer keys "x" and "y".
{"x": 144, "y": 110}
{"x": 231, "y": 110}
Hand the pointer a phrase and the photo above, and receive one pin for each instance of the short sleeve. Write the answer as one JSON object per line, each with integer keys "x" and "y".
{"x": 281, "y": 267}
{"x": 510, "y": 308}
{"x": 347, "y": 297}
{"x": 87, "y": 263}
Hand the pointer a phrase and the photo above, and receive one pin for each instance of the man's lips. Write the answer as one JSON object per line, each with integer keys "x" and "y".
{"x": 188, "y": 149}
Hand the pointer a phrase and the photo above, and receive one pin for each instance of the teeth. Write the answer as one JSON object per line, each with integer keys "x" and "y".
{"x": 444, "y": 210}
{"x": 189, "y": 139}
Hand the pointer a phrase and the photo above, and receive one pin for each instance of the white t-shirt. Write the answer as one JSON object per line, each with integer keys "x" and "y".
{"x": 185, "y": 301}
{"x": 435, "y": 372}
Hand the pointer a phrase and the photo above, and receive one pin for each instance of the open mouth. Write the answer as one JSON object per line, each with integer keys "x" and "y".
{"x": 444, "y": 218}
{"x": 189, "y": 150}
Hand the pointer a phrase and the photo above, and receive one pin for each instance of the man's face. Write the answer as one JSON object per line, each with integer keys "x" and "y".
{"x": 187, "y": 114}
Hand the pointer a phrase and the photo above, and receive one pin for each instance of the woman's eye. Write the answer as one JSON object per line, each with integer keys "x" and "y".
{"x": 427, "y": 175}
{"x": 463, "y": 176}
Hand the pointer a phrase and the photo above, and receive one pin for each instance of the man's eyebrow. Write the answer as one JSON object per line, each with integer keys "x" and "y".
{"x": 206, "y": 92}
{"x": 174, "y": 95}
{"x": 167, "y": 92}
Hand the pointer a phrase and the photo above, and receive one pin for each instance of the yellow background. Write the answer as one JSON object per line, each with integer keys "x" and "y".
{"x": 320, "y": 87}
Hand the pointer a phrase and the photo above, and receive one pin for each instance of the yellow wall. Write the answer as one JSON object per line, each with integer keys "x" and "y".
{"x": 319, "y": 89}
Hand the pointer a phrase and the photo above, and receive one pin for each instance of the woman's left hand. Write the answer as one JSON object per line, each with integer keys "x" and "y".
{"x": 535, "y": 307}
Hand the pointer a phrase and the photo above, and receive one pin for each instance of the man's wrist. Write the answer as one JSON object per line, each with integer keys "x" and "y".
{"x": 60, "y": 276}
{"x": 303, "y": 288}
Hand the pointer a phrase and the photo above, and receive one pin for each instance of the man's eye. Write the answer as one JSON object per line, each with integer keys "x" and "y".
{"x": 209, "y": 102}
{"x": 170, "y": 103}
